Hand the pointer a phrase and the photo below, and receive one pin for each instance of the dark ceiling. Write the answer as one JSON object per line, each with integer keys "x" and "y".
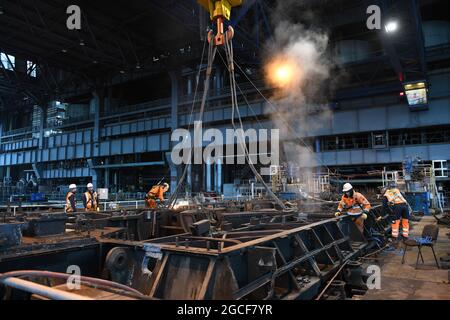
{"x": 126, "y": 40}
{"x": 120, "y": 38}
{"x": 116, "y": 34}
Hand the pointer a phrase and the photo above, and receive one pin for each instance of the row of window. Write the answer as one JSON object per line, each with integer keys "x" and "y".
{"x": 384, "y": 139}
{"x": 357, "y": 141}
{"x": 8, "y": 62}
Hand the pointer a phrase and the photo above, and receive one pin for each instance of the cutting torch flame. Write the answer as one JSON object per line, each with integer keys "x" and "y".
{"x": 282, "y": 73}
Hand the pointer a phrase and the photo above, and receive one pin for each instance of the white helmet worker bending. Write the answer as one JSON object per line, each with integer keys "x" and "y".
{"x": 354, "y": 204}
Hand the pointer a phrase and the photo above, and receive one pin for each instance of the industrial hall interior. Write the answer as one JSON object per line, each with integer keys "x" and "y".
{"x": 224, "y": 150}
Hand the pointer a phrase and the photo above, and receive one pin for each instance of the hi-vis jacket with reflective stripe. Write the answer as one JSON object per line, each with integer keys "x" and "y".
{"x": 354, "y": 204}
{"x": 90, "y": 201}
{"x": 70, "y": 202}
{"x": 156, "y": 192}
{"x": 394, "y": 196}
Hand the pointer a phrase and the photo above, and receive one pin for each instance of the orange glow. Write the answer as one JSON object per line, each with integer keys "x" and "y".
{"x": 282, "y": 72}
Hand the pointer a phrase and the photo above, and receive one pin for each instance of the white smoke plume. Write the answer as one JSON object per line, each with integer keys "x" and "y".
{"x": 296, "y": 64}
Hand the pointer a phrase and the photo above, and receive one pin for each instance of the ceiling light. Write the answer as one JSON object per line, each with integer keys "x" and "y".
{"x": 95, "y": 62}
{"x": 122, "y": 71}
{"x": 63, "y": 50}
{"x": 416, "y": 94}
{"x": 391, "y": 26}
{"x": 81, "y": 42}
{"x": 138, "y": 66}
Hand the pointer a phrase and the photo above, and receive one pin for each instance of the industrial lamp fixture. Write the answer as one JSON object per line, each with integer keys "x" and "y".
{"x": 416, "y": 94}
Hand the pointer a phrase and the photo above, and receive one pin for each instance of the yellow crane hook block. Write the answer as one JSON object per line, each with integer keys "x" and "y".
{"x": 219, "y": 8}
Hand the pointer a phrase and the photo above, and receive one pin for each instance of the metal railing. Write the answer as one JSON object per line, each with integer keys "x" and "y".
{"x": 113, "y": 205}
{"x": 19, "y": 131}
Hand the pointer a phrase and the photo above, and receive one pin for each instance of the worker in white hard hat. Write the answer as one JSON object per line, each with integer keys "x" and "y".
{"x": 90, "y": 198}
{"x": 355, "y": 205}
{"x": 156, "y": 193}
{"x": 71, "y": 201}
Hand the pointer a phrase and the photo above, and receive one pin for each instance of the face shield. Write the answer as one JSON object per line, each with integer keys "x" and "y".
{"x": 349, "y": 193}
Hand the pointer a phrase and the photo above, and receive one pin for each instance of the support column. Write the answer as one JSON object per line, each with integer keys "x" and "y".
{"x": 108, "y": 100}
{"x": 1, "y": 133}
{"x": 174, "y": 79}
{"x": 116, "y": 182}
{"x": 173, "y": 172}
{"x": 208, "y": 175}
{"x": 10, "y": 123}
{"x": 106, "y": 181}
{"x": 317, "y": 143}
{"x": 42, "y": 125}
{"x": 8, "y": 175}
{"x": 189, "y": 85}
{"x": 95, "y": 105}
{"x": 93, "y": 173}
{"x": 1, "y": 127}
{"x": 218, "y": 176}
{"x": 189, "y": 177}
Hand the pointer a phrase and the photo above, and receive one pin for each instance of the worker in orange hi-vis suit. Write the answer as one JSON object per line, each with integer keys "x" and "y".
{"x": 90, "y": 198}
{"x": 156, "y": 193}
{"x": 355, "y": 205}
{"x": 71, "y": 201}
{"x": 397, "y": 207}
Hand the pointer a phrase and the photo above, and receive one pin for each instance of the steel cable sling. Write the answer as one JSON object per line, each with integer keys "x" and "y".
{"x": 212, "y": 50}
{"x": 235, "y": 107}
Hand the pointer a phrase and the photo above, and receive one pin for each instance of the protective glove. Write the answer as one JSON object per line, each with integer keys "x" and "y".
{"x": 364, "y": 216}
{"x": 337, "y": 213}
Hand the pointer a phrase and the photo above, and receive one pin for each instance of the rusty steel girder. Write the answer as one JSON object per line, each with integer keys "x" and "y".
{"x": 271, "y": 261}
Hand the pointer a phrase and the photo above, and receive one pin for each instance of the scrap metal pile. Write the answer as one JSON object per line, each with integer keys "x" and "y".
{"x": 238, "y": 250}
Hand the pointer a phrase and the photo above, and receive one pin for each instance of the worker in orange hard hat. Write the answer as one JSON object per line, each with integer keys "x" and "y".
{"x": 90, "y": 198}
{"x": 397, "y": 207}
{"x": 156, "y": 193}
{"x": 355, "y": 205}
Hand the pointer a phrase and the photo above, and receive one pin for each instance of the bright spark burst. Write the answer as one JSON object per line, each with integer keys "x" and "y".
{"x": 282, "y": 73}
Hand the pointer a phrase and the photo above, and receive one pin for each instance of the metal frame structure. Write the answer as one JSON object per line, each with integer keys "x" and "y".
{"x": 88, "y": 73}
{"x": 282, "y": 260}
{"x": 281, "y": 256}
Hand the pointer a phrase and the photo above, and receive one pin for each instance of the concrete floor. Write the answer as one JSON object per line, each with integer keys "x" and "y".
{"x": 403, "y": 281}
